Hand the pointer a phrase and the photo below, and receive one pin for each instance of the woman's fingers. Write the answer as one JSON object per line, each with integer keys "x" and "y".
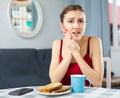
{"x": 73, "y": 46}
{"x": 68, "y": 35}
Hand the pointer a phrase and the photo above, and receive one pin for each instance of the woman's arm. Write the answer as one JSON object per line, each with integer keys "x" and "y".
{"x": 95, "y": 74}
{"x": 58, "y": 69}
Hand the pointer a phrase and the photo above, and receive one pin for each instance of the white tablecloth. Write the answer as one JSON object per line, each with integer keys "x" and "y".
{"x": 91, "y": 92}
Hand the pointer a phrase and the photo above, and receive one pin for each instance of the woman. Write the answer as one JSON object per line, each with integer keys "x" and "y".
{"x": 76, "y": 53}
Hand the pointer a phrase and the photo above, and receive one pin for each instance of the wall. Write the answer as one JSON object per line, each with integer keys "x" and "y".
{"x": 50, "y": 29}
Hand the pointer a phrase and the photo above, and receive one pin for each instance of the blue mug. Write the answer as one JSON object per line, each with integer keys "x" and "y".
{"x": 78, "y": 83}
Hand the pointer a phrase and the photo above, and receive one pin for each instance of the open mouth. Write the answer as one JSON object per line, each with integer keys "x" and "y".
{"x": 76, "y": 32}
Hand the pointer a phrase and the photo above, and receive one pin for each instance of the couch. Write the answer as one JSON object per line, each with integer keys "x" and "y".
{"x": 24, "y": 67}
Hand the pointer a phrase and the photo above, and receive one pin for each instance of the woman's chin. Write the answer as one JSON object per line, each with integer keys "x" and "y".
{"x": 76, "y": 38}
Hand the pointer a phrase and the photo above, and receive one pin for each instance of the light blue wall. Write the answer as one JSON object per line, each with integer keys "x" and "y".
{"x": 50, "y": 29}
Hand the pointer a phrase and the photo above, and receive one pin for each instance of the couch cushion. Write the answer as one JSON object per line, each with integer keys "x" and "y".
{"x": 44, "y": 56}
{"x": 22, "y": 67}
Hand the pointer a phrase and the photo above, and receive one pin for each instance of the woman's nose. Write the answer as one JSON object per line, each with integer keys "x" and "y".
{"x": 76, "y": 25}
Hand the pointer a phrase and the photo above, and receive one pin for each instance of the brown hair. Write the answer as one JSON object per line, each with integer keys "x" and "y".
{"x": 70, "y": 8}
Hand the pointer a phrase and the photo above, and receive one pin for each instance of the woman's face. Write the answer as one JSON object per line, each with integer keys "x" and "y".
{"x": 74, "y": 23}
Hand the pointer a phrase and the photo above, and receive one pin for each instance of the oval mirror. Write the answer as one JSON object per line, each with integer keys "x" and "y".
{"x": 25, "y": 17}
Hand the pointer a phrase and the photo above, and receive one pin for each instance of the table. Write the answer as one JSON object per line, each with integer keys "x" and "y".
{"x": 92, "y": 92}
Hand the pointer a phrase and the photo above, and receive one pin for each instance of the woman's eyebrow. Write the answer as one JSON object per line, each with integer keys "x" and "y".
{"x": 74, "y": 18}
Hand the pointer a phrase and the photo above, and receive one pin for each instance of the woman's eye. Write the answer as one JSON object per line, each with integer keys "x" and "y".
{"x": 81, "y": 21}
{"x": 70, "y": 21}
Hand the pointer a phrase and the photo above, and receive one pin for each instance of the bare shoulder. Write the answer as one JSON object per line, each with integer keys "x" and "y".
{"x": 56, "y": 42}
{"x": 95, "y": 40}
{"x": 95, "y": 46}
{"x": 95, "y": 43}
{"x": 56, "y": 46}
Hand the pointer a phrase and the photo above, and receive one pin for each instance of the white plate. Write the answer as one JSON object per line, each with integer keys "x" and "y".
{"x": 53, "y": 94}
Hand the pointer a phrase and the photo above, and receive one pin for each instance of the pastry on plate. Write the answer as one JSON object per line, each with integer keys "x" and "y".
{"x": 55, "y": 87}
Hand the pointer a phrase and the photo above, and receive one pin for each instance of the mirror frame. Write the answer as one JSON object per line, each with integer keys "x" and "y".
{"x": 39, "y": 20}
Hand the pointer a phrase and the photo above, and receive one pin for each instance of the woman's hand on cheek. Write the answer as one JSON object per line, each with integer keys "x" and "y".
{"x": 67, "y": 39}
{"x": 68, "y": 35}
